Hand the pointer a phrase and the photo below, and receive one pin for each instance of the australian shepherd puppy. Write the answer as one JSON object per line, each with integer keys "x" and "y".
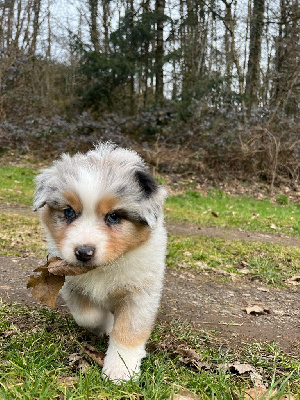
{"x": 103, "y": 209}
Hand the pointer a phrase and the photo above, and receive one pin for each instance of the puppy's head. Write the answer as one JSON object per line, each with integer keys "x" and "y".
{"x": 98, "y": 206}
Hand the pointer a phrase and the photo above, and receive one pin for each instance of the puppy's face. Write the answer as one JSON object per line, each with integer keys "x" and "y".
{"x": 99, "y": 206}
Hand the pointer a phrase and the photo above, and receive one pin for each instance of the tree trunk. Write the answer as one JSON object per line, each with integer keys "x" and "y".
{"x": 105, "y": 10}
{"x": 145, "y": 51}
{"x": 287, "y": 57}
{"x": 36, "y": 25}
{"x": 130, "y": 55}
{"x": 94, "y": 34}
{"x": 10, "y": 21}
{"x": 227, "y": 45}
{"x": 252, "y": 77}
{"x": 159, "y": 52}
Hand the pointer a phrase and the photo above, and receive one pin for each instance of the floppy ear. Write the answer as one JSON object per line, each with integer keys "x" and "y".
{"x": 153, "y": 199}
{"x": 44, "y": 188}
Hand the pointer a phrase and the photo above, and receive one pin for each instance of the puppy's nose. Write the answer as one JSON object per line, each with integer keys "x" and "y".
{"x": 84, "y": 253}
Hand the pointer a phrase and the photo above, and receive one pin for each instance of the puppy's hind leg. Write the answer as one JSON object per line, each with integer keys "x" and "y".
{"x": 87, "y": 314}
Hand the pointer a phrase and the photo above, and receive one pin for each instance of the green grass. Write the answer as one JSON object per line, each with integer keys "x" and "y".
{"x": 272, "y": 264}
{"x": 36, "y": 346}
{"x": 219, "y": 209}
{"x": 16, "y": 185}
{"x": 21, "y": 235}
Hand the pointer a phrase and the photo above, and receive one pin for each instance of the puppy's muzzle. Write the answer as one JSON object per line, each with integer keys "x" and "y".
{"x": 84, "y": 253}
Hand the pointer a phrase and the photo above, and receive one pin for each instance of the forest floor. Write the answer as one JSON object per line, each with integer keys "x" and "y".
{"x": 212, "y": 299}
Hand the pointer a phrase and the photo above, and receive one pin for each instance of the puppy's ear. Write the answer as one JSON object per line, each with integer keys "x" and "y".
{"x": 153, "y": 199}
{"x": 43, "y": 189}
{"x": 146, "y": 183}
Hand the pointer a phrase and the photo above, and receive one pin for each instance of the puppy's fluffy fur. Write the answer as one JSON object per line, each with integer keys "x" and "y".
{"x": 104, "y": 209}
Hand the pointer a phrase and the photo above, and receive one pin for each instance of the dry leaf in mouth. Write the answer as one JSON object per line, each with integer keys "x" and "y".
{"x": 46, "y": 286}
{"x": 57, "y": 266}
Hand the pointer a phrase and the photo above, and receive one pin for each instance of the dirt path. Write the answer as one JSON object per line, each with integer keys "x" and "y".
{"x": 204, "y": 300}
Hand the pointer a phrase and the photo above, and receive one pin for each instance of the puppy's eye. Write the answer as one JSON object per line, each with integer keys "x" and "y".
{"x": 69, "y": 214}
{"x": 112, "y": 219}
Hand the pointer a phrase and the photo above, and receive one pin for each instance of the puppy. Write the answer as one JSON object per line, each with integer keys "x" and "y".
{"x": 104, "y": 209}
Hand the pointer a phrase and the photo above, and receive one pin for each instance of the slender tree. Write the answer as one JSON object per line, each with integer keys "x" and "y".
{"x": 286, "y": 88}
{"x": 94, "y": 33}
{"x": 36, "y": 25}
{"x": 159, "y": 52}
{"x": 254, "y": 60}
{"x": 106, "y": 23}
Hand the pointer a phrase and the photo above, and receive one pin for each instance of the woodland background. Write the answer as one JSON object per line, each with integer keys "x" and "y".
{"x": 200, "y": 88}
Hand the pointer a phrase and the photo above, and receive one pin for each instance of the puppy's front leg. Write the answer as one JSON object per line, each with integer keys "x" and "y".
{"x": 132, "y": 327}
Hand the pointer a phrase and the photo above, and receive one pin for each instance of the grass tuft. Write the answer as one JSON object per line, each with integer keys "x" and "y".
{"x": 16, "y": 185}
{"x": 272, "y": 264}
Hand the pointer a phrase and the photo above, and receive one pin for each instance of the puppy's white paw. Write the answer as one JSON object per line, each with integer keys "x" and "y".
{"x": 119, "y": 374}
{"x": 122, "y": 364}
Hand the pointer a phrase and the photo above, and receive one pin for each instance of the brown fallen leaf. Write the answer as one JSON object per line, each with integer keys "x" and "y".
{"x": 258, "y": 393}
{"x": 10, "y": 333}
{"x": 294, "y": 280}
{"x": 242, "y": 368}
{"x": 214, "y": 214}
{"x": 183, "y": 395}
{"x": 94, "y": 354}
{"x": 244, "y": 264}
{"x": 67, "y": 381}
{"x": 255, "y": 393}
{"x": 193, "y": 359}
{"x": 77, "y": 362}
{"x": 256, "y": 310}
{"x": 238, "y": 368}
{"x": 187, "y": 352}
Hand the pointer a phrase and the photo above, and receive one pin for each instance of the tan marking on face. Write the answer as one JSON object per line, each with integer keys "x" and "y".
{"x": 106, "y": 205}
{"x": 124, "y": 331}
{"x": 56, "y": 227}
{"x": 124, "y": 237}
{"x": 74, "y": 201}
